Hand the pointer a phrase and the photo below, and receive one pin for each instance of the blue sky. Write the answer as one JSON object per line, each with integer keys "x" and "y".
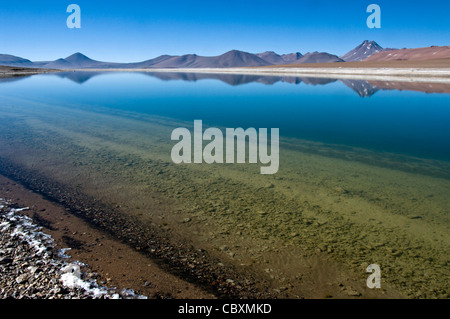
{"x": 132, "y": 30}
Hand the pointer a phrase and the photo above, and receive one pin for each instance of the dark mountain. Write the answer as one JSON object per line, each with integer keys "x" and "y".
{"x": 232, "y": 58}
{"x": 235, "y": 58}
{"x": 271, "y": 57}
{"x": 11, "y": 60}
{"x": 149, "y": 63}
{"x": 79, "y": 61}
{"x": 291, "y": 57}
{"x": 59, "y": 64}
{"x": 182, "y": 61}
{"x": 76, "y": 61}
{"x": 362, "y": 51}
{"x": 318, "y": 57}
{"x": 82, "y": 61}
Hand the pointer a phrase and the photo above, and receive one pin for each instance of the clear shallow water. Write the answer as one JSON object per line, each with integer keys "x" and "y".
{"x": 364, "y": 175}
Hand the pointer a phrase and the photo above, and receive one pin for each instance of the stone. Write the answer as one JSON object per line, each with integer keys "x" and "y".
{"x": 22, "y": 279}
{"x": 5, "y": 260}
{"x": 353, "y": 293}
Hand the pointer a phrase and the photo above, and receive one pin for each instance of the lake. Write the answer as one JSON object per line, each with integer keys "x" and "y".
{"x": 364, "y": 171}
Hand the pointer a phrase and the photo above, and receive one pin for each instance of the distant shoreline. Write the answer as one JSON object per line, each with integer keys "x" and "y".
{"x": 397, "y": 74}
{"x": 9, "y": 71}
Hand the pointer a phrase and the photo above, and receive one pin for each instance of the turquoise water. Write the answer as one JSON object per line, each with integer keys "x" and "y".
{"x": 406, "y": 122}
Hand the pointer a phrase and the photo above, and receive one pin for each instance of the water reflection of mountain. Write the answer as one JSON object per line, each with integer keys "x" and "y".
{"x": 78, "y": 77}
{"x": 238, "y": 79}
{"x": 361, "y": 87}
{"x": 13, "y": 78}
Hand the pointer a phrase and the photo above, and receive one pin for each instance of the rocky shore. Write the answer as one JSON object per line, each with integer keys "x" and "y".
{"x": 8, "y": 71}
{"x": 31, "y": 267}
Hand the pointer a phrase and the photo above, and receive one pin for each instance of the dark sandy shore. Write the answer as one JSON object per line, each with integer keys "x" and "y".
{"x": 114, "y": 263}
{"x": 32, "y": 268}
{"x": 126, "y": 256}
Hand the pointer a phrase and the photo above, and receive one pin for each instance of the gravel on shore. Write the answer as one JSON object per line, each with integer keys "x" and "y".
{"x": 32, "y": 268}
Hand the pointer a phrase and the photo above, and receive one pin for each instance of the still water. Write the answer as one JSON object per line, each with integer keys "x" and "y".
{"x": 364, "y": 171}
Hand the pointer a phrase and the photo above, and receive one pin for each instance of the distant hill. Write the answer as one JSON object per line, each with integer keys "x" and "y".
{"x": 11, "y": 60}
{"x": 59, "y": 64}
{"x": 319, "y": 57}
{"x": 271, "y": 57}
{"x": 149, "y": 63}
{"x": 297, "y": 58}
{"x": 81, "y": 61}
{"x": 291, "y": 58}
{"x": 75, "y": 61}
{"x": 428, "y": 53}
{"x": 238, "y": 58}
{"x": 182, "y": 61}
{"x": 233, "y": 58}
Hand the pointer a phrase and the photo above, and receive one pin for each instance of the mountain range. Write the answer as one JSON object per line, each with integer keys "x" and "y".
{"x": 233, "y": 58}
